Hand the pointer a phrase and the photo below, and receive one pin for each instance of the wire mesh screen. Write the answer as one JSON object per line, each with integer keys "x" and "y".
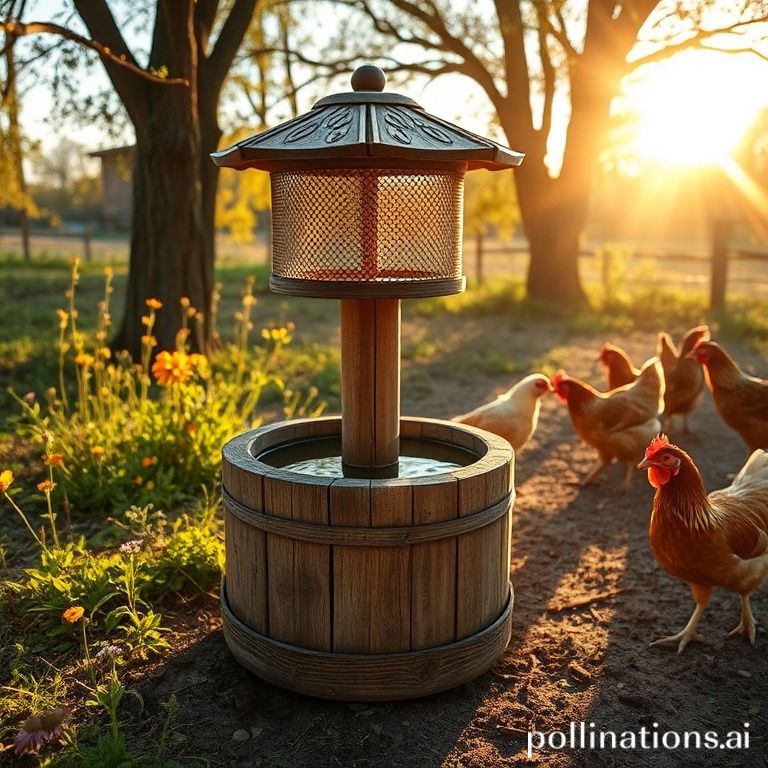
{"x": 367, "y": 225}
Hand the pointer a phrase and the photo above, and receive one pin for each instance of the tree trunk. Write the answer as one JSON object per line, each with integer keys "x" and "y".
{"x": 14, "y": 134}
{"x": 171, "y": 252}
{"x": 553, "y": 220}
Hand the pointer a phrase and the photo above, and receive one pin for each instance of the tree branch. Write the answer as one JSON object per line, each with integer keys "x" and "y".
{"x": 470, "y": 65}
{"x": 205, "y": 16}
{"x": 548, "y": 71}
{"x": 520, "y": 115}
{"x": 20, "y": 29}
{"x": 699, "y": 40}
{"x": 229, "y": 40}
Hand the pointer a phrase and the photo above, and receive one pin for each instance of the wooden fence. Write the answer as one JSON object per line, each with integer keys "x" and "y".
{"x": 714, "y": 264}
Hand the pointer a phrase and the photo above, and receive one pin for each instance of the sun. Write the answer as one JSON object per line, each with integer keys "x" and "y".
{"x": 693, "y": 109}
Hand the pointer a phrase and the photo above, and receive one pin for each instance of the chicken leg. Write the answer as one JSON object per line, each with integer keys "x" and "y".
{"x": 747, "y": 624}
{"x": 701, "y": 595}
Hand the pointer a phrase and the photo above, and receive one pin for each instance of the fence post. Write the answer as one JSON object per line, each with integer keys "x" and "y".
{"x": 479, "y": 258}
{"x": 87, "y": 244}
{"x": 720, "y": 232}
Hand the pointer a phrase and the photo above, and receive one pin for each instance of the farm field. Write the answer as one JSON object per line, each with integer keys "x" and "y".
{"x": 589, "y": 594}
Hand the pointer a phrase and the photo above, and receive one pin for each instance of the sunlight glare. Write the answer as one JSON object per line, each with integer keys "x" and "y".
{"x": 694, "y": 108}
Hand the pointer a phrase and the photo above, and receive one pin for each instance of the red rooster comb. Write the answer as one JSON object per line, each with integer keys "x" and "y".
{"x": 557, "y": 384}
{"x": 658, "y": 442}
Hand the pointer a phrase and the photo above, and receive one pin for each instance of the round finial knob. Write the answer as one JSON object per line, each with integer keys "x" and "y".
{"x": 368, "y": 78}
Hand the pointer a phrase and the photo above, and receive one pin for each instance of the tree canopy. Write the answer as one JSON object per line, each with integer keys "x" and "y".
{"x": 536, "y": 61}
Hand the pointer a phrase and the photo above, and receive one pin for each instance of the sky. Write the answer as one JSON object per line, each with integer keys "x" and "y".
{"x": 692, "y": 105}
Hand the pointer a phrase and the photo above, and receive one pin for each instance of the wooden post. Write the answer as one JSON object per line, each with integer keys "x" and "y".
{"x": 720, "y": 232}
{"x": 370, "y": 385}
{"x": 87, "y": 244}
{"x": 479, "y": 258}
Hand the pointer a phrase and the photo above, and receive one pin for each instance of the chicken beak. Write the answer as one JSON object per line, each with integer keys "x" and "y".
{"x": 645, "y": 464}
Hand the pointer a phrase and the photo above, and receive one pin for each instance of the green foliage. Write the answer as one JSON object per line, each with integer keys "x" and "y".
{"x": 153, "y": 431}
{"x": 490, "y": 203}
{"x": 117, "y": 587}
{"x": 501, "y": 296}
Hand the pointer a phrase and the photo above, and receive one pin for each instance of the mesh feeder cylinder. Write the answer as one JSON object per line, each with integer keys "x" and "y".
{"x": 367, "y": 585}
{"x": 367, "y": 199}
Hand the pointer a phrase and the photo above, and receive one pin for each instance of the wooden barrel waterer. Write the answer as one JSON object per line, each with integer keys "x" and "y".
{"x": 365, "y": 584}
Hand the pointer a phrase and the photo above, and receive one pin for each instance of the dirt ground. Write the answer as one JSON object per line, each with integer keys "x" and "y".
{"x": 591, "y": 663}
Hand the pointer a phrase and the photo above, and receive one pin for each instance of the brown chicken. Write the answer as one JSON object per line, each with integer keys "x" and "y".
{"x": 619, "y": 367}
{"x": 741, "y": 399}
{"x": 618, "y": 423}
{"x": 720, "y": 540}
{"x": 683, "y": 375}
{"x": 513, "y": 415}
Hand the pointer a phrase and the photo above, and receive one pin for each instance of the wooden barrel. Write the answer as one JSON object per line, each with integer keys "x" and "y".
{"x": 367, "y": 590}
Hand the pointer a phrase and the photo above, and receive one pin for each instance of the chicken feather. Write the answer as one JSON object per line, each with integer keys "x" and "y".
{"x": 618, "y": 423}
{"x": 514, "y": 415}
{"x": 741, "y": 399}
{"x": 715, "y": 540}
{"x": 683, "y": 374}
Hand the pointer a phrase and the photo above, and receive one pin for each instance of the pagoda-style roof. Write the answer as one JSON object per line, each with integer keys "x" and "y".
{"x": 367, "y": 126}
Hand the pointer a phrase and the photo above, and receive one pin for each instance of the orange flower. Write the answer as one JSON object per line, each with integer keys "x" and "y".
{"x": 74, "y": 614}
{"x": 54, "y": 459}
{"x": 46, "y": 486}
{"x": 172, "y": 367}
{"x": 154, "y": 303}
{"x": 148, "y": 461}
{"x": 97, "y": 451}
{"x": 6, "y": 479}
{"x": 191, "y": 427}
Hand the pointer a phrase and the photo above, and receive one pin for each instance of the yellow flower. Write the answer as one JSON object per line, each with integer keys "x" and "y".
{"x": 46, "y": 486}
{"x": 63, "y": 318}
{"x": 184, "y": 301}
{"x": 54, "y": 459}
{"x": 249, "y": 300}
{"x": 74, "y": 614}
{"x": 98, "y": 451}
{"x": 199, "y": 363}
{"x": 146, "y": 320}
{"x": 150, "y": 341}
{"x": 6, "y": 479}
{"x": 138, "y": 480}
{"x": 154, "y": 303}
{"x": 148, "y": 461}
{"x": 172, "y": 367}
{"x": 105, "y": 352}
{"x": 150, "y": 486}
{"x": 84, "y": 359}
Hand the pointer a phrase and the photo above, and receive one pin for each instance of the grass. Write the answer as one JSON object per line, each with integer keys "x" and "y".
{"x": 158, "y": 550}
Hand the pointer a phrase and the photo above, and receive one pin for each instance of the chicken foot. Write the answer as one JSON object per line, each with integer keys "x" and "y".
{"x": 701, "y": 595}
{"x": 600, "y": 465}
{"x": 747, "y": 624}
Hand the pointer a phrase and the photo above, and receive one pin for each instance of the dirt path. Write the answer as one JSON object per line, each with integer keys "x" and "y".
{"x": 587, "y": 664}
